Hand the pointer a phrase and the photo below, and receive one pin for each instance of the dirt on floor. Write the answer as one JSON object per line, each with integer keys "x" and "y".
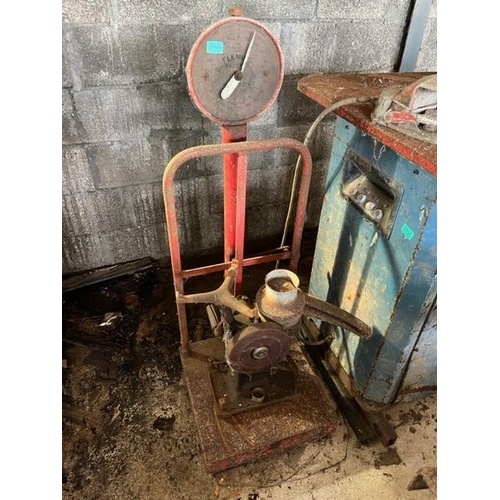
{"x": 127, "y": 427}
{"x": 128, "y": 431}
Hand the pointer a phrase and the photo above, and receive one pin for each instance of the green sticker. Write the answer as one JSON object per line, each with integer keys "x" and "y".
{"x": 215, "y": 47}
{"x": 407, "y": 231}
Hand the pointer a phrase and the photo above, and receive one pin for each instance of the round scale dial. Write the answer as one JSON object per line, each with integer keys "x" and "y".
{"x": 235, "y": 71}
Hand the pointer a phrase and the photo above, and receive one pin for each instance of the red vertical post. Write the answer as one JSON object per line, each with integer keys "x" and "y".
{"x": 241, "y": 195}
{"x": 229, "y": 135}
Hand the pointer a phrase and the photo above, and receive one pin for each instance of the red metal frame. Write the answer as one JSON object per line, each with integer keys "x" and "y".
{"x": 230, "y": 150}
{"x": 235, "y": 174}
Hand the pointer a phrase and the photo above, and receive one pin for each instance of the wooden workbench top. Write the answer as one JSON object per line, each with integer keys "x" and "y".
{"x": 328, "y": 89}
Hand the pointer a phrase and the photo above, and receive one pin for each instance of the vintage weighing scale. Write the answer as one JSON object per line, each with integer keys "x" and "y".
{"x": 252, "y": 389}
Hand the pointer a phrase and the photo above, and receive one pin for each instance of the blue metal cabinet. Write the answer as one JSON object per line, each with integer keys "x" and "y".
{"x": 381, "y": 266}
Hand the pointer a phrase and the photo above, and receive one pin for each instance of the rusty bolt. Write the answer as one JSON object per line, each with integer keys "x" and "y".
{"x": 236, "y": 11}
{"x": 260, "y": 352}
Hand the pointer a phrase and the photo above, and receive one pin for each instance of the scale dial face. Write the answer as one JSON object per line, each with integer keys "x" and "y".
{"x": 235, "y": 71}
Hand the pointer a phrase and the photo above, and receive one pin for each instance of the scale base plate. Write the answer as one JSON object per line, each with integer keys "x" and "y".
{"x": 227, "y": 442}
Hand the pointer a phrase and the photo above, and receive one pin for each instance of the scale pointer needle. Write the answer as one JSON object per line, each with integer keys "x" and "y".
{"x": 237, "y": 76}
{"x": 247, "y": 53}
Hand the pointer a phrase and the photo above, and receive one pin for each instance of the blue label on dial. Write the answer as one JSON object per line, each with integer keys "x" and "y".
{"x": 215, "y": 47}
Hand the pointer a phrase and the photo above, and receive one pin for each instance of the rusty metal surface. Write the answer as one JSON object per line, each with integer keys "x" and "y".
{"x": 381, "y": 425}
{"x": 240, "y": 348}
{"x": 222, "y": 296}
{"x": 328, "y": 89}
{"x": 235, "y": 182}
{"x": 262, "y": 432}
{"x": 280, "y": 299}
{"x": 358, "y": 418}
{"x": 316, "y": 308}
{"x": 240, "y": 148}
{"x": 283, "y": 253}
{"x": 366, "y": 405}
{"x": 236, "y": 393}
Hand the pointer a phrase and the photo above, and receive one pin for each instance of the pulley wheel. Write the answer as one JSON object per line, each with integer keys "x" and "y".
{"x": 257, "y": 347}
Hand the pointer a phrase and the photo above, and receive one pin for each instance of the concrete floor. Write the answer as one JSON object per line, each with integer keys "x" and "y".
{"x": 337, "y": 467}
{"x": 128, "y": 430}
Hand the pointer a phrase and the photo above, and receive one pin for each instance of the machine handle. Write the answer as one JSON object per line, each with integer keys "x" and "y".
{"x": 316, "y": 308}
{"x": 222, "y": 296}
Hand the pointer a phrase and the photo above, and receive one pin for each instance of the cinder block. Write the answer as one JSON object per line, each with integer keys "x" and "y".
{"x": 258, "y": 192}
{"x": 215, "y": 187}
{"x": 200, "y": 221}
{"x": 264, "y": 222}
{"x": 267, "y": 219}
{"x": 263, "y": 159}
{"x": 72, "y": 61}
{"x": 265, "y": 186}
{"x": 367, "y": 46}
{"x": 343, "y": 46}
{"x": 368, "y": 9}
{"x": 129, "y": 113}
{"x": 79, "y": 253}
{"x": 96, "y": 212}
{"x": 176, "y": 141}
{"x": 86, "y": 252}
{"x": 71, "y": 126}
{"x": 427, "y": 58}
{"x": 319, "y": 145}
{"x": 85, "y": 11}
{"x": 274, "y": 9}
{"x": 309, "y": 48}
{"x": 275, "y": 184}
{"x": 295, "y": 108}
{"x": 155, "y": 241}
{"x": 147, "y": 204}
{"x": 76, "y": 174}
{"x": 107, "y": 210}
{"x": 170, "y": 11}
{"x": 397, "y": 11}
{"x": 65, "y": 71}
{"x": 111, "y": 55}
{"x": 126, "y": 163}
{"x": 270, "y": 117}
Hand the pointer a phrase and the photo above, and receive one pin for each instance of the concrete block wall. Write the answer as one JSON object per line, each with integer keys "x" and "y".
{"x": 126, "y": 111}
